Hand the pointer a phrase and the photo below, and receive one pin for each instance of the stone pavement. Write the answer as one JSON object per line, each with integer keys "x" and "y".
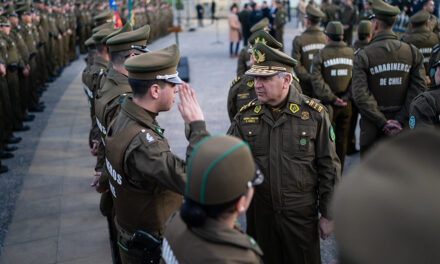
{"x": 56, "y": 217}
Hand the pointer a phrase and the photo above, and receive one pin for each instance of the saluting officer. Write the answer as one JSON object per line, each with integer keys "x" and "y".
{"x": 421, "y": 37}
{"x": 292, "y": 142}
{"x": 305, "y": 45}
{"x": 425, "y": 108}
{"x": 242, "y": 90}
{"x": 222, "y": 190}
{"x": 146, "y": 178}
{"x": 387, "y": 75}
{"x": 332, "y": 70}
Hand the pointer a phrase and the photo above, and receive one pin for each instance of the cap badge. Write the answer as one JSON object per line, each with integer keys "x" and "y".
{"x": 261, "y": 40}
{"x": 258, "y": 56}
{"x": 294, "y": 108}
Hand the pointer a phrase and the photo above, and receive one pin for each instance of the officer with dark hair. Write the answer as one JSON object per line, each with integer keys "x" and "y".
{"x": 428, "y": 6}
{"x": 146, "y": 179}
{"x": 221, "y": 176}
{"x": 387, "y": 75}
{"x": 364, "y": 35}
{"x": 305, "y": 45}
{"x": 332, "y": 70}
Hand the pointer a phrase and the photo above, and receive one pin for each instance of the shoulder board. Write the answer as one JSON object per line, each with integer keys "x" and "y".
{"x": 314, "y": 105}
{"x": 251, "y": 103}
{"x": 234, "y": 81}
{"x": 295, "y": 77}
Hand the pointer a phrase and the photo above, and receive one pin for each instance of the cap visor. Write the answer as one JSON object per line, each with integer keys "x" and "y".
{"x": 175, "y": 80}
{"x": 260, "y": 72}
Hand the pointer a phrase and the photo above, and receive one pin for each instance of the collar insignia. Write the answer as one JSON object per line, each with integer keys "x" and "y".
{"x": 158, "y": 130}
{"x": 257, "y": 109}
{"x": 294, "y": 108}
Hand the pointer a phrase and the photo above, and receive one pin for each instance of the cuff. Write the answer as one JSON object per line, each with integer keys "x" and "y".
{"x": 196, "y": 126}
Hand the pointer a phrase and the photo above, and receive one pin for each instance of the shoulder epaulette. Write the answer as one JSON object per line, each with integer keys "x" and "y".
{"x": 295, "y": 77}
{"x": 251, "y": 103}
{"x": 234, "y": 81}
{"x": 315, "y": 105}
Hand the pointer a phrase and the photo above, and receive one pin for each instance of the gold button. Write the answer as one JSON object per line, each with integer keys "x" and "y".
{"x": 250, "y": 132}
{"x": 303, "y": 133}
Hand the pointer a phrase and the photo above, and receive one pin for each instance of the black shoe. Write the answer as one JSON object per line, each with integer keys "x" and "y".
{"x": 13, "y": 140}
{"x": 37, "y": 109}
{"x": 10, "y": 148}
{"x": 6, "y": 155}
{"x": 3, "y": 169}
{"x": 23, "y": 128}
{"x": 29, "y": 118}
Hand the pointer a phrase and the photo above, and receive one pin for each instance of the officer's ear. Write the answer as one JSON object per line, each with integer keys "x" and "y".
{"x": 155, "y": 91}
{"x": 286, "y": 81}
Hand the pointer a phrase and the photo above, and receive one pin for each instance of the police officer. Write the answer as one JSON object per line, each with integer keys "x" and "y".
{"x": 207, "y": 218}
{"x": 292, "y": 142}
{"x": 331, "y": 12}
{"x": 364, "y": 35}
{"x": 425, "y": 108}
{"x": 428, "y": 6}
{"x": 421, "y": 37}
{"x": 243, "y": 63}
{"x": 332, "y": 68}
{"x": 387, "y": 75}
{"x": 348, "y": 17}
{"x": 305, "y": 45}
{"x": 241, "y": 90}
{"x": 279, "y": 22}
{"x": 146, "y": 179}
{"x": 384, "y": 210}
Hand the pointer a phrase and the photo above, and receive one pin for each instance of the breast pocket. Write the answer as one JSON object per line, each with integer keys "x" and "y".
{"x": 255, "y": 138}
{"x": 299, "y": 141}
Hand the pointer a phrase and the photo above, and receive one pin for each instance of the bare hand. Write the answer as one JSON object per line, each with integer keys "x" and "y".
{"x": 59, "y": 36}
{"x": 26, "y": 72}
{"x": 340, "y": 102}
{"x": 189, "y": 107}
{"x": 392, "y": 127}
{"x": 325, "y": 228}
{"x": 94, "y": 149}
{"x": 428, "y": 80}
{"x": 2, "y": 70}
{"x": 95, "y": 181}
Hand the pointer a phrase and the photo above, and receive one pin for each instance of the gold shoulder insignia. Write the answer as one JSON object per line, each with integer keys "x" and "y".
{"x": 316, "y": 106}
{"x": 251, "y": 103}
{"x": 295, "y": 77}
{"x": 234, "y": 81}
{"x": 250, "y": 84}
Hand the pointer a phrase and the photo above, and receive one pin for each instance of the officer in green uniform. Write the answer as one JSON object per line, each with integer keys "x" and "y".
{"x": 5, "y": 125}
{"x": 292, "y": 142}
{"x": 364, "y": 35}
{"x": 243, "y": 63}
{"x": 305, "y": 45}
{"x": 241, "y": 90}
{"x": 348, "y": 17}
{"x": 331, "y": 12}
{"x": 223, "y": 195}
{"x": 331, "y": 71}
{"x": 385, "y": 209}
{"x": 279, "y": 22}
{"x": 428, "y": 6}
{"x": 421, "y": 37}
{"x": 387, "y": 75}
{"x": 425, "y": 108}
{"x": 52, "y": 47}
{"x": 146, "y": 179}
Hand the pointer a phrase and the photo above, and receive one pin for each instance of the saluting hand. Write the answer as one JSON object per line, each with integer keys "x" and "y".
{"x": 189, "y": 107}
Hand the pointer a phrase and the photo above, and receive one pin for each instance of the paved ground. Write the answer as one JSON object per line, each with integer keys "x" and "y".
{"x": 56, "y": 218}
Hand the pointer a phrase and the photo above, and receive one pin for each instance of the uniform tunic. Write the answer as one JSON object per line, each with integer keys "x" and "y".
{"x": 297, "y": 154}
{"x": 214, "y": 242}
{"x": 387, "y": 75}
{"x": 425, "y": 109}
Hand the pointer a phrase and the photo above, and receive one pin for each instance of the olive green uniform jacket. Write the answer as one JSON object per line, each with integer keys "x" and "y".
{"x": 279, "y": 22}
{"x": 304, "y": 46}
{"x": 373, "y": 71}
{"x": 214, "y": 242}
{"x": 360, "y": 44}
{"x": 425, "y": 109}
{"x": 243, "y": 63}
{"x": 331, "y": 12}
{"x": 296, "y": 152}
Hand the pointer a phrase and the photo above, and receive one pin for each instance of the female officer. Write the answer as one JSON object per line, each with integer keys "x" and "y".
{"x": 221, "y": 174}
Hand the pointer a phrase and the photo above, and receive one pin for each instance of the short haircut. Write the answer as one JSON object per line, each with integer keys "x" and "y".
{"x": 140, "y": 87}
{"x": 119, "y": 57}
{"x": 386, "y": 23}
{"x": 335, "y": 37}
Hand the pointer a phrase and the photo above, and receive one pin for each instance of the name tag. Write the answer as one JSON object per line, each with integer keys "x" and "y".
{"x": 251, "y": 120}
{"x": 243, "y": 96}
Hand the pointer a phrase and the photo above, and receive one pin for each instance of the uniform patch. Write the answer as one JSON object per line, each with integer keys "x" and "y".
{"x": 149, "y": 137}
{"x": 305, "y": 115}
{"x": 158, "y": 130}
{"x": 294, "y": 108}
{"x": 253, "y": 242}
{"x": 412, "y": 122}
{"x": 243, "y": 96}
{"x": 251, "y": 119}
{"x": 332, "y": 134}
{"x": 257, "y": 109}
{"x": 250, "y": 84}
{"x": 315, "y": 105}
{"x": 303, "y": 142}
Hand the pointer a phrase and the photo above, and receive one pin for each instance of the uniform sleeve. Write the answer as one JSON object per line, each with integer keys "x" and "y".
{"x": 241, "y": 64}
{"x": 417, "y": 85}
{"x": 328, "y": 164}
{"x": 362, "y": 96}
{"x": 320, "y": 88}
{"x": 232, "y": 107}
{"x": 100, "y": 157}
{"x": 422, "y": 112}
{"x": 155, "y": 160}
{"x": 300, "y": 70}
{"x": 234, "y": 129}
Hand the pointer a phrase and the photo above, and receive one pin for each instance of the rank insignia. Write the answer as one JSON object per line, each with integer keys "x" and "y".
{"x": 250, "y": 84}
{"x": 158, "y": 130}
{"x": 305, "y": 115}
{"x": 412, "y": 122}
{"x": 332, "y": 134}
{"x": 257, "y": 109}
{"x": 294, "y": 108}
{"x": 258, "y": 56}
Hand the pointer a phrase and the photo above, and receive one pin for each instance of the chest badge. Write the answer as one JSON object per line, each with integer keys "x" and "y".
{"x": 305, "y": 115}
{"x": 294, "y": 108}
{"x": 303, "y": 142}
{"x": 149, "y": 137}
{"x": 250, "y": 84}
{"x": 158, "y": 130}
{"x": 412, "y": 122}
{"x": 257, "y": 109}
{"x": 332, "y": 134}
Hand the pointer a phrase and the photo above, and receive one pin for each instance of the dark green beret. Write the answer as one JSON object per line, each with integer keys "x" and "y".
{"x": 334, "y": 28}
